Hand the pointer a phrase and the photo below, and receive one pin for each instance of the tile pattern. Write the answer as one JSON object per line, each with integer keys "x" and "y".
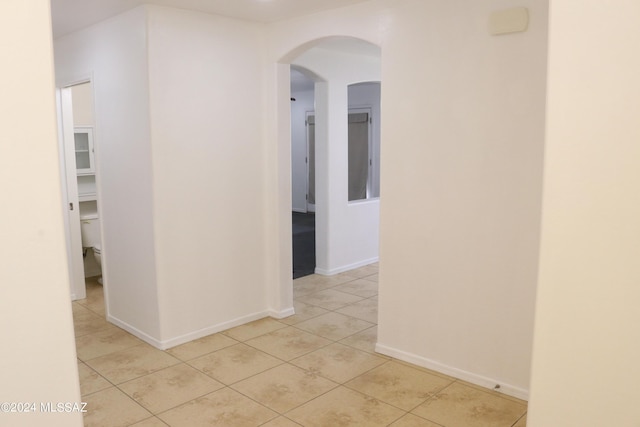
{"x": 316, "y": 368}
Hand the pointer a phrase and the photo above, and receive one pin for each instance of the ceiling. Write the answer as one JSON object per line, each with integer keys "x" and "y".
{"x": 72, "y": 15}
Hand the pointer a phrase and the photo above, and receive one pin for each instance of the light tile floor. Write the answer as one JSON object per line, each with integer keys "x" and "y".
{"x": 316, "y": 368}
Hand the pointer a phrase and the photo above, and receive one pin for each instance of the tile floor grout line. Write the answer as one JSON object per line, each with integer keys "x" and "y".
{"x": 101, "y": 376}
{"x": 279, "y": 416}
{"x": 361, "y": 393}
{"x": 205, "y": 354}
{"x": 519, "y": 419}
{"x": 245, "y": 378}
{"x": 490, "y": 392}
{"x": 311, "y": 400}
{"x": 273, "y": 409}
{"x": 215, "y": 391}
{"x": 180, "y": 404}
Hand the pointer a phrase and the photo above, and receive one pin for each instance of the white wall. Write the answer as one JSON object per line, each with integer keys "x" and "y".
{"x": 462, "y": 143}
{"x": 82, "y": 105}
{"x": 462, "y": 165}
{"x": 113, "y": 54}
{"x": 206, "y": 80}
{"x": 303, "y": 104}
{"x": 38, "y": 362}
{"x": 346, "y": 233}
{"x": 586, "y": 349}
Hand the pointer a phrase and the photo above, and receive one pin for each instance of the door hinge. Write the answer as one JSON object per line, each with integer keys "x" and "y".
{"x": 306, "y": 197}
{"x": 70, "y": 206}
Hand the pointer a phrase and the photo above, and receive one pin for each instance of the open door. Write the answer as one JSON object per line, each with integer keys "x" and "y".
{"x": 70, "y": 193}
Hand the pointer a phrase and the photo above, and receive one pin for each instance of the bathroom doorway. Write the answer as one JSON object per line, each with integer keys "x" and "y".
{"x": 77, "y": 139}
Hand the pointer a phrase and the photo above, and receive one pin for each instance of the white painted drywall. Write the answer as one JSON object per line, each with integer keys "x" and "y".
{"x": 207, "y": 127}
{"x": 462, "y": 144}
{"x": 38, "y": 362}
{"x": 462, "y": 166}
{"x": 113, "y": 54}
{"x": 346, "y": 233}
{"x": 586, "y": 349}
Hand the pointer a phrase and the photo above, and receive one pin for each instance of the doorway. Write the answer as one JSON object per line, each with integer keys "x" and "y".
{"x": 77, "y": 139}
{"x": 346, "y": 228}
{"x": 303, "y": 173}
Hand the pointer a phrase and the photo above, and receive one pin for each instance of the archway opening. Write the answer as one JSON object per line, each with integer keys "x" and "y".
{"x": 346, "y": 232}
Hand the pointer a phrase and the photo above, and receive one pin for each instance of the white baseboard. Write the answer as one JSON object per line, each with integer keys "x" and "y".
{"x": 342, "y": 269}
{"x": 75, "y": 296}
{"x": 136, "y": 332}
{"x": 299, "y": 210}
{"x": 172, "y": 342}
{"x": 282, "y": 313}
{"x": 476, "y": 379}
{"x": 213, "y": 329}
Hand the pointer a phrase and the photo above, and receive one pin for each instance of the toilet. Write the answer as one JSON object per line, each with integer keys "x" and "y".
{"x": 90, "y": 231}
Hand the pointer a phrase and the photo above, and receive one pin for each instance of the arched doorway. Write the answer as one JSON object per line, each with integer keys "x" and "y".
{"x": 346, "y": 230}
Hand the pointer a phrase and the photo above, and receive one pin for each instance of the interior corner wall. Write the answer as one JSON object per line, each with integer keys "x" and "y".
{"x": 113, "y": 54}
{"x": 587, "y": 317}
{"x": 206, "y": 75}
{"x": 462, "y": 146}
{"x": 38, "y": 362}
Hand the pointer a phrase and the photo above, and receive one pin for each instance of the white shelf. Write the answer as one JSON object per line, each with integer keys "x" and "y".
{"x": 87, "y": 197}
{"x": 87, "y": 187}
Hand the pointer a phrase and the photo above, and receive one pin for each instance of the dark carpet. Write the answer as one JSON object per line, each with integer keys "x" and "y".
{"x": 304, "y": 244}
